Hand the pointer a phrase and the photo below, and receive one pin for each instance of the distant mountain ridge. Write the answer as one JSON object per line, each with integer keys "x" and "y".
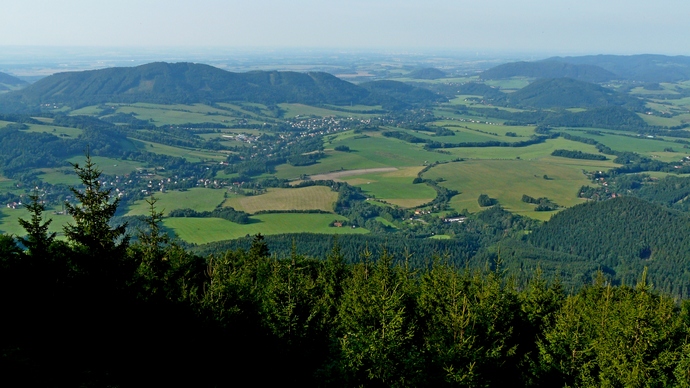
{"x": 643, "y": 68}
{"x": 549, "y": 69}
{"x": 192, "y": 83}
{"x": 8, "y": 82}
{"x": 599, "y": 68}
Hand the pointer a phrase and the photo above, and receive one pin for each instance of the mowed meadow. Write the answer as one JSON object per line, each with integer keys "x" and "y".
{"x": 205, "y": 230}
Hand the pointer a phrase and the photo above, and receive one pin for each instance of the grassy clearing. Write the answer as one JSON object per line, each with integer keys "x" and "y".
{"x": 294, "y": 110}
{"x": 386, "y": 222}
{"x": 304, "y": 198}
{"x": 395, "y": 187}
{"x": 367, "y": 152}
{"x": 71, "y": 133}
{"x": 534, "y": 151}
{"x": 509, "y": 84}
{"x": 639, "y": 144}
{"x": 57, "y": 176}
{"x": 660, "y": 121}
{"x": 109, "y": 166}
{"x": 205, "y": 230}
{"x": 507, "y": 181}
{"x": 93, "y": 110}
{"x": 177, "y": 114}
{"x": 199, "y": 199}
{"x": 192, "y": 155}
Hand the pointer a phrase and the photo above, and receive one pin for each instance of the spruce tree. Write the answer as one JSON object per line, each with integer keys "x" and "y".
{"x": 91, "y": 229}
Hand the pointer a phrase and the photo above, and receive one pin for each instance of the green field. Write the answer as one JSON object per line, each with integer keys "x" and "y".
{"x": 660, "y": 121}
{"x": 304, "y": 198}
{"x": 192, "y": 155}
{"x": 294, "y": 110}
{"x": 177, "y": 114}
{"x": 509, "y": 84}
{"x": 71, "y": 133}
{"x": 394, "y": 187}
{"x": 9, "y": 223}
{"x": 534, "y": 151}
{"x": 57, "y": 176}
{"x": 205, "y": 230}
{"x": 109, "y": 166}
{"x": 507, "y": 181}
{"x": 199, "y": 199}
{"x": 373, "y": 151}
{"x": 638, "y": 144}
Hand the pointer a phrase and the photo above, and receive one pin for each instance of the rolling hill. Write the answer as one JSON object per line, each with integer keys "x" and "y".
{"x": 8, "y": 82}
{"x": 549, "y": 69}
{"x": 191, "y": 83}
{"x": 569, "y": 93}
{"x": 643, "y": 68}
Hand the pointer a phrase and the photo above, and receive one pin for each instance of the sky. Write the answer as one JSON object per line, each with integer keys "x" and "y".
{"x": 558, "y": 27}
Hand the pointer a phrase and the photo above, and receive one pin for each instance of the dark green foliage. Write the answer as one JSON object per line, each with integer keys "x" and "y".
{"x": 570, "y": 93}
{"x": 484, "y": 200}
{"x": 92, "y": 213}
{"x": 577, "y": 155}
{"x": 187, "y": 83}
{"x": 342, "y": 148}
{"x": 226, "y": 213}
{"x": 395, "y": 95}
{"x": 624, "y": 235}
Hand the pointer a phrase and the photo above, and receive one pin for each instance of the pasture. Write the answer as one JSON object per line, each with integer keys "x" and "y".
{"x": 303, "y": 198}
{"x": 109, "y": 166}
{"x": 294, "y": 110}
{"x": 205, "y": 230}
{"x": 192, "y": 155}
{"x": 633, "y": 143}
{"x": 535, "y": 151}
{"x": 394, "y": 187}
{"x": 507, "y": 181}
{"x": 199, "y": 199}
{"x": 373, "y": 151}
{"x": 177, "y": 114}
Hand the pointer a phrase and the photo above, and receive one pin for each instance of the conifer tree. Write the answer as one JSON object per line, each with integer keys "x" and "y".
{"x": 92, "y": 215}
{"x": 37, "y": 239}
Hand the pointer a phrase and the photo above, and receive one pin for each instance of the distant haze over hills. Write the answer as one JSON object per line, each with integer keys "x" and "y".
{"x": 191, "y": 83}
{"x": 599, "y": 68}
{"x": 8, "y": 82}
{"x": 549, "y": 69}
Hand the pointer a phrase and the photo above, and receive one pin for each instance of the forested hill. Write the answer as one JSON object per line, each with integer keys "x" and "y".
{"x": 7, "y": 80}
{"x": 570, "y": 93}
{"x": 190, "y": 83}
{"x": 549, "y": 69}
{"x": 624, "y": 235}
{"x": 643, "y": 68}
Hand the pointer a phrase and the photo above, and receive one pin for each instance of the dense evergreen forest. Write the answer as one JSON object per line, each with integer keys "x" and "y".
{"x": 100, "y": 310}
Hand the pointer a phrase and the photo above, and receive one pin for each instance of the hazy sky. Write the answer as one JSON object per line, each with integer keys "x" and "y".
{"x": 549, "y": 26}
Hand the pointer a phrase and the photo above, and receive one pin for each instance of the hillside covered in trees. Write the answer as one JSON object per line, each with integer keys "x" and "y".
{"x": 188, "y": 83}
{"x": 149, "y": 313}
{"x": 549, "y": 69}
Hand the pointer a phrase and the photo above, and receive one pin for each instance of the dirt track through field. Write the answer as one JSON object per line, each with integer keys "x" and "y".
{"x": 334, "y": 176}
